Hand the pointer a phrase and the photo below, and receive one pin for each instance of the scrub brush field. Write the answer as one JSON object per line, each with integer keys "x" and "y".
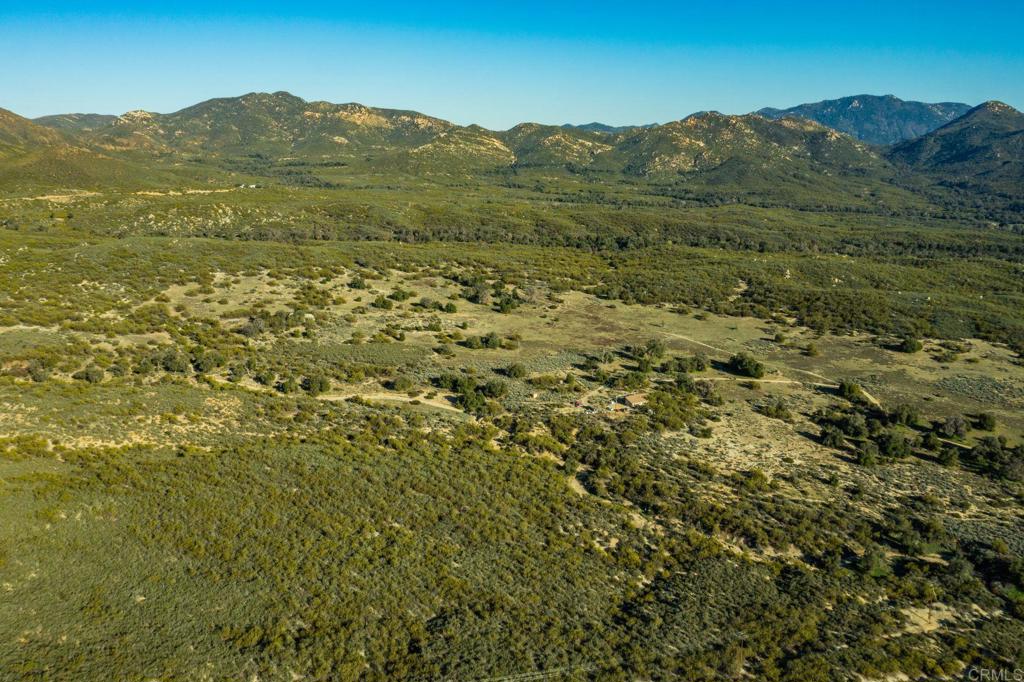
{"x": 366, "y": 461}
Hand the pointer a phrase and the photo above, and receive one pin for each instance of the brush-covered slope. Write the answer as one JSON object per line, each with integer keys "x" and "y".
{"x": 37, "y": 157}
{"x": 455, "y": 149}
{"x": 282, "y": 127}
{"x": 875, "y": 119}
{"x": 543, "y": 145}
{"x": 984, "y": 146}
{"x": 76, "y": 123}
{"x": 19, "y": 135}
{"x": 273, "y": 124}
{"x": 708, "y": 140}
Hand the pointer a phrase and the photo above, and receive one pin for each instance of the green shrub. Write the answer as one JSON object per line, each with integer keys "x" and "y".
{"x": 850, "y": 390}
{"x": 954, "y": 426}
{"x": 909, "y": 344}
{"x": 777, "y": 409}
{"x": 893, "y": 445}
{"x": 745, "y": 365}
{"x": 402, "y": 383}
{"x": 91, "y": 374}
{"x": 38, "y": 371}
{"x": 832, "y": 437}
{"x": 316, "y": 384}
{"x": 515, "y": 371}
{"x": 867, "y": 453}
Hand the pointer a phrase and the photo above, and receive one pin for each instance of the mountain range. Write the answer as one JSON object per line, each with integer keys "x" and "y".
{"x": 767, "y": 149}
{"x": 282, "y": 126}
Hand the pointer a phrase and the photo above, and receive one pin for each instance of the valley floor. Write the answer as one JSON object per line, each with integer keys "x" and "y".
{"x": 369, "y": 461}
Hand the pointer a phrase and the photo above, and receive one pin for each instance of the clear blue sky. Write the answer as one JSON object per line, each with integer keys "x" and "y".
{"x": 619, "y": 63}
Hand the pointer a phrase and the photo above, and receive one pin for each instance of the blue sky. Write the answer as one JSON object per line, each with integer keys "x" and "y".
{"x": 619, "y": 63}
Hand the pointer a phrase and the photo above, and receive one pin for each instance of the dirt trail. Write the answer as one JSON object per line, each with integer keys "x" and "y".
{"x": 699, "y": 343}
{"x": 439, "y": 403}
{"x": 381, "y": 396}
{"x": 59, "y": 198}
{"x": 827, "y": 382}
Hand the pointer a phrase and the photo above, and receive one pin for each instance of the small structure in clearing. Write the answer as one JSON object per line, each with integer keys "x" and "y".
{"x": 635, "y": 399}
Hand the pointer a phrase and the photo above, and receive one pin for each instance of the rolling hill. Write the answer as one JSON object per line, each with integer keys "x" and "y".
{"x": 272, "y": 124}
{"x": 19, "y": 135}
{"x": 707, "y": 140}
{"x": 542, "y": 145}
{"x": 36, "y": 157}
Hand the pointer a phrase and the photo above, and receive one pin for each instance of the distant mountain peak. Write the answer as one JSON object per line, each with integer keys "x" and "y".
{"x": 596, "y": 127}
{"x": 984, "y": 147}
{"x": 858, "y": 101}
{"x": 256, "y": 96}
{"x": 134, "y": 116}
{"x": 709, "y": 114}
{"x": 878, "y": 119}
{"x": 993, "y": 114}
{"x": 995, "y": 106}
